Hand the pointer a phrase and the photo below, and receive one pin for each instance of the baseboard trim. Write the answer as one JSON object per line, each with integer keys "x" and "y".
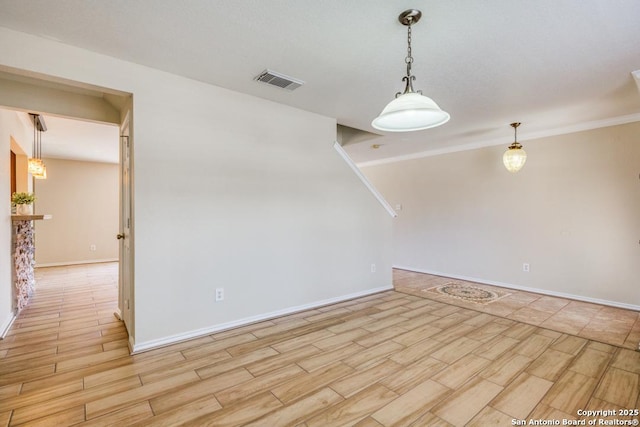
{"x": 524, "y": 288}
{"x": 61, "y": 264}
{"x": 6, "y": 325}
{"x": 174, "y": 339}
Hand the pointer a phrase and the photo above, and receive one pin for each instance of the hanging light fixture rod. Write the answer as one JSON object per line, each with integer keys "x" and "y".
{"x": 408, "y": 18}
{"x": 515, "y": 144}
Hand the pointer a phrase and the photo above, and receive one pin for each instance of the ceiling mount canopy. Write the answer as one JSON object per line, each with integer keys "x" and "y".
{"x": 515, "y": 156}
{"x": 410, "y": 110}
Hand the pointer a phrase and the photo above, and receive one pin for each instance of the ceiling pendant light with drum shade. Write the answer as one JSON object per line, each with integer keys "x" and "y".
{"x": 515, "y": 156}
{"x": 410, "y": 110}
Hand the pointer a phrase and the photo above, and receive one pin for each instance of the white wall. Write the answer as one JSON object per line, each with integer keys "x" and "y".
{"x": 572, "y": 213}
{"x": 230, "y": 191}
{"x": 10, "y": 126}
{"x": 82, "y": 198}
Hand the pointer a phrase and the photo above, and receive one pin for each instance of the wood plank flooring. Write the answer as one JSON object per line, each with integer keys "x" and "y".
{"x": 390, "y": 359}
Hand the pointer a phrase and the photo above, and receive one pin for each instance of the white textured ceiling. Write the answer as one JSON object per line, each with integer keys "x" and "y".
{"x": 80, "y": 140}
{"x": 74, "y": 139}
{"x": 554, "y": 65}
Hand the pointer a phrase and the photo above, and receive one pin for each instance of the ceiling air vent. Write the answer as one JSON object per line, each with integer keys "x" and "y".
{"x": 280, "y": 80}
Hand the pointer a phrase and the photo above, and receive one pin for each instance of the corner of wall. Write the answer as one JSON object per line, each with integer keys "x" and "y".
{"x": 6, "y": 325}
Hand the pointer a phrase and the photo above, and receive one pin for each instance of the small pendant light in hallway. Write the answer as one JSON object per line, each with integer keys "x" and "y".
{"x": 36, "y": 166}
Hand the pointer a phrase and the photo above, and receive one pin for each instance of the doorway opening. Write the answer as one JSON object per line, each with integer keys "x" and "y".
{"x": 86, "y": 189}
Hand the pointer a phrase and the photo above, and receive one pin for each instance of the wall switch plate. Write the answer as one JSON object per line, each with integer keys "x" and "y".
{"x": 373, "y": 268}
{"x": 219, "y": 294}
{"x": 92, "y": 247}
{"x": 525, "y": 267}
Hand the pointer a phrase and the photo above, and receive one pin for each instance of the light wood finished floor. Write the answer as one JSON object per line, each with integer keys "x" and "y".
{"x": 384, "y": 360}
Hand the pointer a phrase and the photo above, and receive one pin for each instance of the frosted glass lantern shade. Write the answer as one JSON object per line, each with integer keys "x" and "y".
{"x": 408, "y": 112}
{"x": 514, "y": 159}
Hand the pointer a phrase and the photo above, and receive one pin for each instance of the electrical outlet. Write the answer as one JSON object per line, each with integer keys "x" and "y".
{"x": 373, "y": 268}
{"x": 219, "y": 294}
{"x": 525, "y": 267}
{"x": 92, "y": 247}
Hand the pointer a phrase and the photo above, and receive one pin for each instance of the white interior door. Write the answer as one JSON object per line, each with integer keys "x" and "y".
{"x": 125, "y": 303}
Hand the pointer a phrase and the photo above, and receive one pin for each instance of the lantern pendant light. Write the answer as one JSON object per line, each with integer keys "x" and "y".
{"x": 515, "y": 156}
{"x": 410, "y": 110}
{"x": 36, "y": 166}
